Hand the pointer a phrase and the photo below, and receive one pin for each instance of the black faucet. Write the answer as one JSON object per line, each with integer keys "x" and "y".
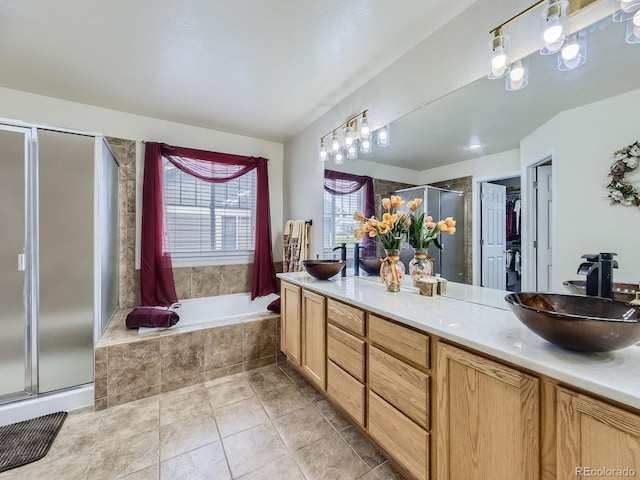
{"x": 356, "y": 258}
{"x": 343, "y": 256}
{"x": 599, "y": 272}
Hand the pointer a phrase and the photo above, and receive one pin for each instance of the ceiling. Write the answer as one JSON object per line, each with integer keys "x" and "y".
{"x": 259, "y": 68}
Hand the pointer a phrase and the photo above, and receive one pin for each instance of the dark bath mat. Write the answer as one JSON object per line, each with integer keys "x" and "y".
{"x": 28, "y": 441}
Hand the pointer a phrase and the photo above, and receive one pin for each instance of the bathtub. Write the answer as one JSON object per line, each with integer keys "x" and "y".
{"x": 217, "y": 311}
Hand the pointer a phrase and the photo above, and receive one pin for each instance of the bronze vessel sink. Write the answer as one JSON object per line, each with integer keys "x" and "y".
{"x": 371, "y": 265}
{"x": 575, "y": 322}
{"x": 323, "y": 269}
{"x": 623, "y": 292}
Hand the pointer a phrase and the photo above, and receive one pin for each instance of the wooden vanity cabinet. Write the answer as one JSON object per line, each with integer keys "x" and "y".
{"x": 399, "y": 393}
{"x": 291, "y": 322}
{"x": 314, "y": 354}
{"x": 487, "y": 419}
{"x": 346, "y": 359}
{"x": 595, "y": 435}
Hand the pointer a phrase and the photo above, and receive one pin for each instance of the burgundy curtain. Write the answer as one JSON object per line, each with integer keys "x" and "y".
{"x": 156, "y": 276}
{"x": 340, "y": 183}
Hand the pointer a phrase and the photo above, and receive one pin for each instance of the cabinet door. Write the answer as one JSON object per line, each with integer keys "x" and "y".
{"x": 594, "y": 436}
{"x": 314, "y": 349}
{"x": 291, "y": 321}
{"x": 487, "y": 417}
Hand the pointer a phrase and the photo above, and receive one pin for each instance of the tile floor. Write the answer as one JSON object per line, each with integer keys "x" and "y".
{"x": 267, "y": 424}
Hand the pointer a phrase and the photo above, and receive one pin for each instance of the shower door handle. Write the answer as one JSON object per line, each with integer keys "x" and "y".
{"x": 21, "y": 262}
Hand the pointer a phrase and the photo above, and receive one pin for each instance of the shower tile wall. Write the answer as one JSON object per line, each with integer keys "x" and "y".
{"x": 191, "y": 282}
{"x": 463, "y": 184}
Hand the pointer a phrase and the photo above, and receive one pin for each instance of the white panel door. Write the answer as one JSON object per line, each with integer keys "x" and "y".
{"x": 544, "y": 201}
{"x": 493, "y": 227}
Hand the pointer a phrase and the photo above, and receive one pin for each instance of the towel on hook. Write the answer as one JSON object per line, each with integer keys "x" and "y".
{"x": 151, "y": 317}
{"x": 295, "y": 245}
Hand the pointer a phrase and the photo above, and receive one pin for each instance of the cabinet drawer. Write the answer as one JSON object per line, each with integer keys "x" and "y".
{"x": 346, "y": 391}
{"x": 348, "y": 317}
{"x": 403, "y": 386}
{"x": 346, "y": 351}
{"x": 399, "y": 436}
{"x": 407, "y": 343}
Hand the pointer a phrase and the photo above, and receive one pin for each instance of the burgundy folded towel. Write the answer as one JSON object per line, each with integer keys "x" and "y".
{"x": 151, "y": 317}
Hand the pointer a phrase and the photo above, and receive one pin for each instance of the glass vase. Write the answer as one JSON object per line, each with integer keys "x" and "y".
{"x": 392, "y": 270}
{"x": 420, "y": 266}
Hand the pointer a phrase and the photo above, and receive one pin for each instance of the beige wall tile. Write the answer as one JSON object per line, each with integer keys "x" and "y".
{"x": 259, "y": 339}
{"x": 171, "y": 385}
{"x": 223, "y": 346}
{"x": 217, "y": 373}
{"x": 133, "y": 366}
{"x": 258, "y": 363}
{"x": 181, "y": 355}
{"x": 115, "y": 400}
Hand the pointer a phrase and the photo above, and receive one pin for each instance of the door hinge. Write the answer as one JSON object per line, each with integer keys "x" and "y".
{"x": 482, "y": 196}
{"x": 535, "y": 244}
{"x": 535, "y": 184}
{"x": 21, "y": 262}
{"x": 482, "y": 241}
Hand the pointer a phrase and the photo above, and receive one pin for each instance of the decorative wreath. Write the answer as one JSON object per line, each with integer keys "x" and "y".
{"x": 620, "y": 190}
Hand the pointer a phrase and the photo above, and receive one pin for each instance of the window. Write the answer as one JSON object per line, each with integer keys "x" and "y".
{"x": 339, "y": 223}
{"x": 209, "y": 219}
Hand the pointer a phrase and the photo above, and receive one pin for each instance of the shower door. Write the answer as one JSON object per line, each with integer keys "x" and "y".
{"x": 15, "y": 345}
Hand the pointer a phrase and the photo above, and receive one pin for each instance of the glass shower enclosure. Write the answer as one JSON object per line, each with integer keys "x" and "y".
{"x": 451, "y": 262}
{"x": 58, "y": 256}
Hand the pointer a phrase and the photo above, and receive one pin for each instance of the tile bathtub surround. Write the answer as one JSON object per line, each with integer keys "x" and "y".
{"x": 252, "y": 425}
{"x": 129, "y": 366}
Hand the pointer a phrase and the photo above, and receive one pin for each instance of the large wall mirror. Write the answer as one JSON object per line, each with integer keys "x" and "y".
{"x": 572, "y": 121}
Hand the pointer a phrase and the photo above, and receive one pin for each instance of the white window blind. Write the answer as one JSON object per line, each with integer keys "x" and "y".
{"x": 339, "y": 223}
{"x": 209, "y": 219}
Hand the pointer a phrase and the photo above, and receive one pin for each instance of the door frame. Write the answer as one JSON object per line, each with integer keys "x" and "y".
{"x": 530, "y": 223}
{"x": 476, "y": 232}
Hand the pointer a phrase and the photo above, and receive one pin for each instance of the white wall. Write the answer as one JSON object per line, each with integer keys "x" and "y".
{"x": 17, "y": 105}
{"x": 581, "y": 142}
{"x": 490, "y": 166}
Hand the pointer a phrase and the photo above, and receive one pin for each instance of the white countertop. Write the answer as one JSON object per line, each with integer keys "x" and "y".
{"x": 493, "y": 331}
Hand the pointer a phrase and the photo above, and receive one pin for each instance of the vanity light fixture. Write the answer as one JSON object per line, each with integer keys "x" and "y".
{"x": 633, "y": 29}
{"x": 574, "y": 52}
{"x": 554, "y": 18}
{"x": 518, "y": 77}
{"x": 365, "y": 145}
{"x": 571, "y": 49}
{"x": 365, "y": 132}
{"x": 628, "y": 11}
{"x": 383, "y": 136}
{"x": 352, "y": 151}
{"x": 348, "y": 138}
{"x": 335, "y": 145}
{"x": 624, "y": 10}
{"x": 324, "y": 155}
{"x": 498, "y": 66}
